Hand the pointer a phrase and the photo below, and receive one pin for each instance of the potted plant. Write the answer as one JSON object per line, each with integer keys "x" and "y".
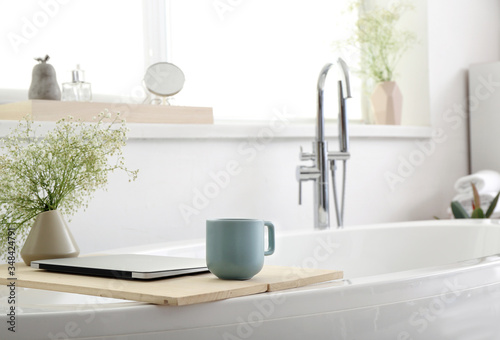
{"x": 381, "y": 45}
{"x": 45, "y": 178}
{"x": 477, "y": 212}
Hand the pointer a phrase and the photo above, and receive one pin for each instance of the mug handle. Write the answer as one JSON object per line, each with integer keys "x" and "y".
{"x": 270, "y": 238}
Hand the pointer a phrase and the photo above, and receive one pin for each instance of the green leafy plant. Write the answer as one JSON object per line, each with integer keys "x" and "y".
{"x": 380, "y": 42}
{"x": 61, "y": 170}
{"x": 477, "y": 212}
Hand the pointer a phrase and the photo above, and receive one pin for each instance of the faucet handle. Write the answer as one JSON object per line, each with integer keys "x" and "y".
{"x": 306, "y": 156}
{"x": 338, "y": 156}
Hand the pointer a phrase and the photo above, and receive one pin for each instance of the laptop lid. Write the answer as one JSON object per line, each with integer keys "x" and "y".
{"x": 124, "y": 266}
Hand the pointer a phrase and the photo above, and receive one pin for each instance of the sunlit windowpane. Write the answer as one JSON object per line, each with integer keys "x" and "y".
{"x": 104, "y": 37}
{"x": 243, "y": 58}
{"x": 246, "y": 58}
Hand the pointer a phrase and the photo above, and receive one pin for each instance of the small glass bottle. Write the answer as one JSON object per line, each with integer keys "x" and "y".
{"x": 78, "y": 90}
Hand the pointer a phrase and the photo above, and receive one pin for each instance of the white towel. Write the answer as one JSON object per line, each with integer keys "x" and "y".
{"x": 486, "y": 198}
{"x": 484, "y": 180}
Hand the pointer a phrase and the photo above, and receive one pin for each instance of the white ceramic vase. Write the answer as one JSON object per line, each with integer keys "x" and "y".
{"x": 49, "y": 238}
{"x": 387, "y": 103}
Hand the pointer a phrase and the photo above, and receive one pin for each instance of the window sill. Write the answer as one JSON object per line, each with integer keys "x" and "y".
{"x": 277, "y": 128}
{"x": 244, "y": 130}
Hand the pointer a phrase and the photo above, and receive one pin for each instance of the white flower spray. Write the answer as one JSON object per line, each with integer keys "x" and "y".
{"x": 60, "y": 171}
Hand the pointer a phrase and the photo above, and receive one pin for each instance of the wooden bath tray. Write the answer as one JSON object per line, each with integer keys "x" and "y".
{"x": 177, "y": 291}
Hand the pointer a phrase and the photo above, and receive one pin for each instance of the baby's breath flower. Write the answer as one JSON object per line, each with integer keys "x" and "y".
{"x": 60, "y": 171}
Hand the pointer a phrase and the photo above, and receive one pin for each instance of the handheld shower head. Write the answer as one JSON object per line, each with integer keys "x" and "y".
{"x": 343, "y": 130}
{"x": 345, "y": 71}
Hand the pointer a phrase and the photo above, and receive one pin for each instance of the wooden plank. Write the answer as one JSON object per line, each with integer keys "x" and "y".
{"x": 183, "y": 290}
{"x": 52, "y": 110}
{"x": 291, "y": 277}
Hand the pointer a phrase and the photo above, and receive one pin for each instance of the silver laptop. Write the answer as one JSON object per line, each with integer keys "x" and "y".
{"x": 125, "y": 266}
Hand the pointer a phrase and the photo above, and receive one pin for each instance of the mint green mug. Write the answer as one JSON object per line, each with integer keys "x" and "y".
{"x": 235, "y": 247}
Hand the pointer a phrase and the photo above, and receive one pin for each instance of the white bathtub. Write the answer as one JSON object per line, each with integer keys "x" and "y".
{"x": 427, "y": 280}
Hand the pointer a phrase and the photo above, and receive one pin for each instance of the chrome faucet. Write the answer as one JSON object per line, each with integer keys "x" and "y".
{"x": 323, "y": 160}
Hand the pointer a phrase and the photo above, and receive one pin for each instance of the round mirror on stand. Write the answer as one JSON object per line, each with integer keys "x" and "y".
{"x": 163, "y": 80}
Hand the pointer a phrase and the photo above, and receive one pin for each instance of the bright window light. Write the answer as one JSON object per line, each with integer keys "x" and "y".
{"x": 246, "y": 58}
{"x": 243, "y": 58}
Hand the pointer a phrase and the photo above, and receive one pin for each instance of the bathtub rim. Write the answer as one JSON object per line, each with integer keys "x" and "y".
{"x": 300, "y": 302}
{"x": 399, "y": 278}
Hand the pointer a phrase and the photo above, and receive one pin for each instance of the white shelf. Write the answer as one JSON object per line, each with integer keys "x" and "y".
{"x": 177, "y": 122}
{"x": 245, "y": 130}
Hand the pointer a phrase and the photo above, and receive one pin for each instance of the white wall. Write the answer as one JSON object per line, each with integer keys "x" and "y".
{"x": 147, "y": 211}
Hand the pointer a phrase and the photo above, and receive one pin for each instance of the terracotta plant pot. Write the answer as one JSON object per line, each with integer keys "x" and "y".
{"x": 49, "y": 238}
{"x": 387, "y": 103}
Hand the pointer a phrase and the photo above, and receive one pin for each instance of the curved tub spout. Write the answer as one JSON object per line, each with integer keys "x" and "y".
{"x": 324, "y": 160}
